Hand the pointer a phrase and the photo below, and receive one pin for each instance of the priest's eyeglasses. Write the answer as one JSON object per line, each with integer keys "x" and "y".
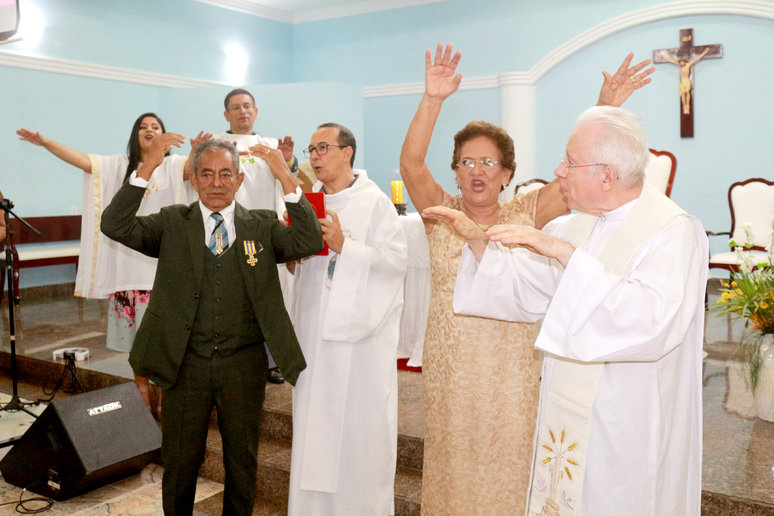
{"x": 471, "y": 163}
{"x": 566, "y": 164}
{"x": 321, "y": 148}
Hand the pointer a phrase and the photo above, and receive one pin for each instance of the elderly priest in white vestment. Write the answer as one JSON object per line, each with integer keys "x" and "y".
{"x": 620, "y": 287}
{"x": 347, "y": 313}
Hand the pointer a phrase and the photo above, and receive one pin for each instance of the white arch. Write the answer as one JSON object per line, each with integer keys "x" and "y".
{"x": 752, "y": 8}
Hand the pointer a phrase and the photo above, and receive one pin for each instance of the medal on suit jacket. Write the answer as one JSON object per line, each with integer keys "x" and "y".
{"x": 251, "y": 251}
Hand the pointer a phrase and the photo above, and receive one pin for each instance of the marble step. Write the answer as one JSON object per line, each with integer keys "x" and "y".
{"x": 274, "y": 474}
{"x": 278, "y": 424}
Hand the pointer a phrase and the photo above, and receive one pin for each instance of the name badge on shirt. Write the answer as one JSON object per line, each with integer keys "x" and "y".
{"x": 250, "y": 251}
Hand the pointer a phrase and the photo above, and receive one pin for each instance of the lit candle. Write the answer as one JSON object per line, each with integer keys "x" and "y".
{"x": 397, "y": 192}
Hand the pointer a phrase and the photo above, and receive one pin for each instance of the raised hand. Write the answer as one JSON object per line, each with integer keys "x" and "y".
{"x": 199, "y": 139}
{"x": 29, "y": 136}
{"x": 285, "y": 146}
{"x": 267, "y": 154}
{"x": 277, "y": 164}
{"x": 440, "y": 81}
{"x": 616, "y": 89}
{"x": 162, "y": 144}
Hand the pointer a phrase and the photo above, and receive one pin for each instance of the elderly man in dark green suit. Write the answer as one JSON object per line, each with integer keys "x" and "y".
{"x": 216, "y": 299}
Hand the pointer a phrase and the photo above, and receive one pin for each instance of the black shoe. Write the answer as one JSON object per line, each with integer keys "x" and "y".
{"x": 275, "y": 376}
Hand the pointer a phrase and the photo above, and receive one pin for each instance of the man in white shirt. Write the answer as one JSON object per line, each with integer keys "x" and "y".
{"x": 259, "y": 190}
{"x": 620, "y": 287}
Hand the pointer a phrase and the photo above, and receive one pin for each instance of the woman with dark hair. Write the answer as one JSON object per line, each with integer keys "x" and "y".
{"x": 107, "y": 269}
{"x": 481, "y": 376}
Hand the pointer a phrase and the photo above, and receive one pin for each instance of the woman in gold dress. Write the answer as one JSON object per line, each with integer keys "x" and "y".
{"x": 481, "y": 375}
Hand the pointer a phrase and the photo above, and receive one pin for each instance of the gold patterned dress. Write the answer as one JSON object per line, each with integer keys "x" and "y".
{"x": 481, "y": 380}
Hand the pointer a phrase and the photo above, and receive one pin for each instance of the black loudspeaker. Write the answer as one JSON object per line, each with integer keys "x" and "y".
{"x": 83, "y": 442}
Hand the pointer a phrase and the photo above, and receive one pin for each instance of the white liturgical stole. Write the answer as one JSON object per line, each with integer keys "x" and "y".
{"x": 568, "y": 395}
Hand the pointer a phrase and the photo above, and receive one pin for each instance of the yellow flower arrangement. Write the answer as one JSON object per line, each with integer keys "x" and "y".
{"x": 750, "y": 295}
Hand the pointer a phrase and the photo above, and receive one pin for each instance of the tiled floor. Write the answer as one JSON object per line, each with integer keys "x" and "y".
{"x": 738, "y": 448}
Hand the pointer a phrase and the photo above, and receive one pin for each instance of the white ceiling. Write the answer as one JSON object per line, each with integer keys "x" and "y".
{"x": 301, "y": 11}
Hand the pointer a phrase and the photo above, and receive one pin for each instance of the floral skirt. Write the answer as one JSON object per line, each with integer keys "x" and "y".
{"x": 125, "y": 311}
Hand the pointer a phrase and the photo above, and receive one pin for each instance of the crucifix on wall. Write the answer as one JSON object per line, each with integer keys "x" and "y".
{"x": 685, "y": 57}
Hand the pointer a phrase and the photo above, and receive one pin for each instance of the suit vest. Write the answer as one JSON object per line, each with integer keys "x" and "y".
{"x": 225, "y": 320}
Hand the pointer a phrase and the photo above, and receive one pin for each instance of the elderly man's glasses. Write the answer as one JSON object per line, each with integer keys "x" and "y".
{"x": 321, "y": 148}
{"x": 566, "y": 164}
{"x": 471, "y": 163}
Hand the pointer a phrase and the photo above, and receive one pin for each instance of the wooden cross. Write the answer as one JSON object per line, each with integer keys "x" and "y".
{"x": 685, "y": 56}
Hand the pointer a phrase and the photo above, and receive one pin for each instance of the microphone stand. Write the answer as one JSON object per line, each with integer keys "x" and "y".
{"x": 15, "y": 404}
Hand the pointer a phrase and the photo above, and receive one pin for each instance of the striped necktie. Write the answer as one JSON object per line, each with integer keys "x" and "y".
{"x": 219, "y": 237}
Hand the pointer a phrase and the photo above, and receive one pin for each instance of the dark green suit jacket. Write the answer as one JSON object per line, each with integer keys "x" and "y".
{"x": 175, "y": 236}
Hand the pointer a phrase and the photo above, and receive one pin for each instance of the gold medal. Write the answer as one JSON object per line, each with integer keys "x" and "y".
{"x": 250, "y": 251}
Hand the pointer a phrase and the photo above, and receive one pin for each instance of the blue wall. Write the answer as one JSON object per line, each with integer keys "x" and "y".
{"x": 176, "y": 37}
{"x": 310, "y": 73}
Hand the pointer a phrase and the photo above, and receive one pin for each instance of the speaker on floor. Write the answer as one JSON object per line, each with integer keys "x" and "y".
{"x": 83, "y": 442}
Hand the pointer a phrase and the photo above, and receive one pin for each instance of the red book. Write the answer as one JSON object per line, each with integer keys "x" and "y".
{"x": 317, "y": 200}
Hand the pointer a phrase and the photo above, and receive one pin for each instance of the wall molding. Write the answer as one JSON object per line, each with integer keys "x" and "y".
{"x": 750, "y": 8}
{"x": 246, "y": 6}
{"x": 313, "y": 15}
{"x": 96, "y": 71}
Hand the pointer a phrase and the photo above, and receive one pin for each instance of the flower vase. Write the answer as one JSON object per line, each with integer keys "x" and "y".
{"x": 764, "y": 391}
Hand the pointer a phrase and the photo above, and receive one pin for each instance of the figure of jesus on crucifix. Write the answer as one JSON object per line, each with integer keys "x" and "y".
{"x": 686, "y": 85}
{"x": 685, "y": 57}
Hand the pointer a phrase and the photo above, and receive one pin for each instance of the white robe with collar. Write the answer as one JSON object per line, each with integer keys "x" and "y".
{"x": 347, "y": 320}
{"x": 104, "y": 265}
{"x": 646, "y": 325}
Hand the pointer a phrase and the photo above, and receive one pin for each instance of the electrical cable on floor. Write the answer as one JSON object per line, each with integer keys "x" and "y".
{"x": 23, "y": 509}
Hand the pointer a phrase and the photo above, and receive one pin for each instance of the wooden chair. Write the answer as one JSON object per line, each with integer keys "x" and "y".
{"x": 529, "y": 185}
{"x": 751, "y": 202}
{"x": 660, "y": 171}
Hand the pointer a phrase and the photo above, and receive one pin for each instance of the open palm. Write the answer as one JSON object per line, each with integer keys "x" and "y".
{"x": 440, "y": 81}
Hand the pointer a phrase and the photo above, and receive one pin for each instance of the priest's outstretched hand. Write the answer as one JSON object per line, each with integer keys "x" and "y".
{"x": 533, "y": 239}
{"x": 462, "y": 225}
{"x": 507, "y": 234}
